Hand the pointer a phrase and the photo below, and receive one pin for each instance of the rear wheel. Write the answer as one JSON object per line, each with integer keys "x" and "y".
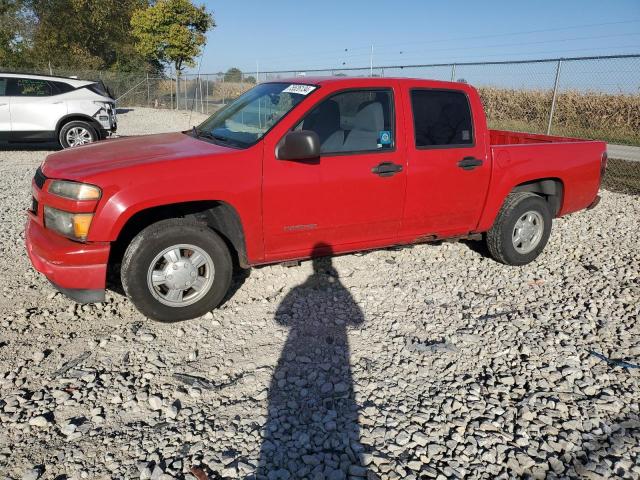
{"x": 77, "y": 133}
{"x": 176, "y": 270}
{"x": 521, "y": 229}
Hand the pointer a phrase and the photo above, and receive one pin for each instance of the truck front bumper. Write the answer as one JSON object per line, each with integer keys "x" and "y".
{"x": 79, "y": 270}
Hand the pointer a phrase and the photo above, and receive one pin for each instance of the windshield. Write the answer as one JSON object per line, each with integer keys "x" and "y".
{"x": 245, "y": 120}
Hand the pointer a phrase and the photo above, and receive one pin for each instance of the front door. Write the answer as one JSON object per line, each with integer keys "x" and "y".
{"x": 450, "y": 170}
{"x": 352, "y": 196}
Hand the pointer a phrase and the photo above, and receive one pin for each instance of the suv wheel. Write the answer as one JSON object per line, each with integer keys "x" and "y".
{"x": 521, "y": 230}
{"x": 176, "y": 270}
{"x": 77, "y": 133}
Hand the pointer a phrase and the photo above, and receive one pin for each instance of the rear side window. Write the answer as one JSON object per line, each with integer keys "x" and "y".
{"x": 3, "y": 87}
{"x": 99, "y": 88}
{"x": 441, "y": 118}
{"x": 353, "y": 121}
{"x": 28, "y": 87}
{"x": 61, "y": 87}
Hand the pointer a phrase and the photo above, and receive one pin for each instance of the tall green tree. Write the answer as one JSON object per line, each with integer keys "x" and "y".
{"x": 233, "y": 75}
{"x": 16, "y": 30}
{"x": 89, "y": 34}
{"x": 171, "y": 31}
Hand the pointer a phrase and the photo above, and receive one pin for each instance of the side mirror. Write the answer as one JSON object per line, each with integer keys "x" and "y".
{"x": 299, "y": 145}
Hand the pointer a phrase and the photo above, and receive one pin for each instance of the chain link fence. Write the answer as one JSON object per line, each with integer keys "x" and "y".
{"x": 586, "y": 97}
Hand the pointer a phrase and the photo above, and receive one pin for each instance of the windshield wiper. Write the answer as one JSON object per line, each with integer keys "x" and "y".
{"x": 221, "y": 138}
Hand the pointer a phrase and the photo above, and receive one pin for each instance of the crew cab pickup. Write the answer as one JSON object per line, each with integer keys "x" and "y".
{"x": 295, "y": 169}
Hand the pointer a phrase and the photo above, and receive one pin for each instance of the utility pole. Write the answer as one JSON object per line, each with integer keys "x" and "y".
{"x": 555, "y": 94}
{"x": 257, "y": 72}
{"x": 371, "y": 62}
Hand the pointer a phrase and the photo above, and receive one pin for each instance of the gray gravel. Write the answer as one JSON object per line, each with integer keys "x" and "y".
{"x": 429, "y": 362}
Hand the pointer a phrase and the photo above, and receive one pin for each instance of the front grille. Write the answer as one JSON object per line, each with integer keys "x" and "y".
{"x": 39, "y": 178}
{"x": 34, "y": 205}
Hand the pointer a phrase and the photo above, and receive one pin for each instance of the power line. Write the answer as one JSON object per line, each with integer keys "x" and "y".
{"x": 472, "y": 63}
{"x": 559, "y": 52}
{"x": 441, "y": 40}
{"x": 495, "y": 45}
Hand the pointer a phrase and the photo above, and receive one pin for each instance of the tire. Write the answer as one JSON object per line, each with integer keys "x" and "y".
{"x": 83, "y": 132}
{"x": 149, "y": 277}
{"x": 523, "y": 215}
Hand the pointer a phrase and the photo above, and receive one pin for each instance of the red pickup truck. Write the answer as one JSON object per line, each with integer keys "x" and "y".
{"x": 293, "y": 169}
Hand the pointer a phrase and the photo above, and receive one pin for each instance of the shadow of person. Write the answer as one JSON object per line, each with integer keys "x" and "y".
{"x": 312, "y": 429}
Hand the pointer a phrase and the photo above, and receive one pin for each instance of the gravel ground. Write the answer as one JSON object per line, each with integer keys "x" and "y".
{"x": 429, "y": 362}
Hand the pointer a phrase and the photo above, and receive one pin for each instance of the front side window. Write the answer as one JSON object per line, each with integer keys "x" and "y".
{"x": 28, "y": 87}
{"x": 441, "y": 118}
{"x": 3, "y": 87}
{"x": 353, "y": 121}
{"x": 246, "y": 120}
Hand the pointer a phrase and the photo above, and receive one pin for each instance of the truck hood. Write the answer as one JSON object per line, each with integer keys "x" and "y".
{"x": 80, "y": 163}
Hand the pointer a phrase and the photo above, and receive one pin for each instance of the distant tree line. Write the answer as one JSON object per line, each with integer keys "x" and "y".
{"x": 123, "y": 35}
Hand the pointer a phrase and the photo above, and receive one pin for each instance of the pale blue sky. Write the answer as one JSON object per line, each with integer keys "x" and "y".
{"x": 289, "y": 34}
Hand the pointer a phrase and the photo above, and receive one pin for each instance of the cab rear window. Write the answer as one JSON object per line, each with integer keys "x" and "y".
{"x": 441, "y": 118}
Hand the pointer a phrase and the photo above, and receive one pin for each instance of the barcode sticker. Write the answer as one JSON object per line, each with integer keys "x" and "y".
{"x": 299, "y": 89}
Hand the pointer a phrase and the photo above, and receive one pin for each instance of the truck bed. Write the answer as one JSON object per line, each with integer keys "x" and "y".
{"x": 505, "y": 137}
{"x": 521, "y": 157}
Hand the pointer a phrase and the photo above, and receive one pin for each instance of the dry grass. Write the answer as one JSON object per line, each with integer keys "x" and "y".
{"x": 622, "y": 176}
{"x": 611, "y": 117}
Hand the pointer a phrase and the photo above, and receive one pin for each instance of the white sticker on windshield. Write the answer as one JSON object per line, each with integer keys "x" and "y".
{"x": 299, "y": 89}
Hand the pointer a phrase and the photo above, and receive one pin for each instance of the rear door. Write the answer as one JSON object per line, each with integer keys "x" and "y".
{"x": 35, "y": 109}
{"x": 353, "y": 195}
{"x": 5, "y": 117}
{"x": 449, "y": 169}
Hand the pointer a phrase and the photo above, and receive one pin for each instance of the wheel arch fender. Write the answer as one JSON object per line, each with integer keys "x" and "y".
{"x": 71, "y": 117}
{"x": 552, "y": 189}
{"x": 219, "y": 215}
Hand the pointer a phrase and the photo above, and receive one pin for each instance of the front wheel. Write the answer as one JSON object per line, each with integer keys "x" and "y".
{"x": 521, "y": 229}
{"x": 176, "y": 270}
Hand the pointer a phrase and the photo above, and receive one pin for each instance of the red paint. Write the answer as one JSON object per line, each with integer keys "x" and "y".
{"x": 287, "y": 207}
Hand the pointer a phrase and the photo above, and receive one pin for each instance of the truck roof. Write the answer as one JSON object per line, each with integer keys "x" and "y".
{"x": 75, "y": 82}
{"x": 320, "y": 80}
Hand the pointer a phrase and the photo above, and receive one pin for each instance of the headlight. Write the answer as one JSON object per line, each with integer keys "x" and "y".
{"x": 72, "y": 225}
{"x": 74, "y": 190}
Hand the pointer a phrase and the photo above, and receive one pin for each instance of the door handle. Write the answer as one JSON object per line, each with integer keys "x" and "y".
{"x": 386, "y": 169}
{"x": 469, "y": 163}
{"x": 3, "y": 104}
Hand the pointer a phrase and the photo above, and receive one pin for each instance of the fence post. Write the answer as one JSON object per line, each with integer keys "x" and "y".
{"x": 201, "y": 97}
{"x": 148, "y": 91}
{"x": 555, "y": 94}
{"x": 453, "y": 72}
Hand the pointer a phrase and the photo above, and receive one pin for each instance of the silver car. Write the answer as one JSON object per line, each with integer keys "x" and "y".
{"x": 37, "y": 108}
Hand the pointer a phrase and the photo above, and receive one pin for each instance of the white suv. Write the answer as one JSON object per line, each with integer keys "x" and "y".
{"x": 37, "y": 108}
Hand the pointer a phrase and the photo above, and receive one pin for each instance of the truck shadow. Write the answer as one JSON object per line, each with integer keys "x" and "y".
{"x": 477, "y": 246}
{"x": 312, "y": 428}
{"x": 31, "y": 147}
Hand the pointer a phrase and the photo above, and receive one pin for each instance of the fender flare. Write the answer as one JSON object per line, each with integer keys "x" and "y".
{"x": 70, "y": 117}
